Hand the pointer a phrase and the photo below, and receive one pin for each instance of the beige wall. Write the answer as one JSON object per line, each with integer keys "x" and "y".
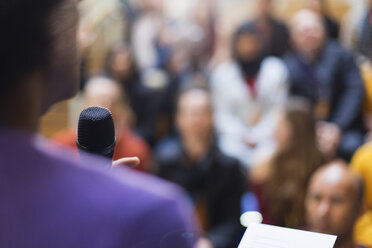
{"x": 286, "y": 8}
{"x": 245, "y": 9}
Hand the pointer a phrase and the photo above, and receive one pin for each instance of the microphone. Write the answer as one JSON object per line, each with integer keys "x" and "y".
{"x": 96, "y": 132}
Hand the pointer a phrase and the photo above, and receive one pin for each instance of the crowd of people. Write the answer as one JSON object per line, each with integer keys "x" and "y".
{"x": 279, "y": 110}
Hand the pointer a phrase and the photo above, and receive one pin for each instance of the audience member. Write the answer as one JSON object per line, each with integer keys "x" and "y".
{"x": 48, "y": 198}
{"x": 281, "y": 182}
{"x": 334, "y": 202}
{"x": 330, "y": 24}
{"x": 245, "y": 91}
{"x": 213, "y": 180}
{"x": 275, "y": 34}
{"x": 104, "y": 92}
{"x": 361, "y": 165}
{"x": 145, "y": 33}
{"x": 144, "y": 99}
{"x": 326, "y": 73}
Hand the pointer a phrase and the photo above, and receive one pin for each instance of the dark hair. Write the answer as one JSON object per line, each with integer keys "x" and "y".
{"x": 25, "y": 39}
{"x": 285, "y": 190}
{"x": 111, "y": 55}
{"x": 247, "y": 28}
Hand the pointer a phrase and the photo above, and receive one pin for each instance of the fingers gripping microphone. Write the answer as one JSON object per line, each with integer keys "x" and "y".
{"x": 96, "y": 132}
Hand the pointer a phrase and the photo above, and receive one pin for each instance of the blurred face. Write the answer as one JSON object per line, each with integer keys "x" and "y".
{"x": 122, "y": 65}
{"x": 194, "y": 115}
{"x": 307, "y": 33}
{"x": 283, "y": 132}
{"x": 62, "y": 75}
{"x": 107, "y": 94}
{"x": 248, "y": 47}
{"x": 331, "y": 202}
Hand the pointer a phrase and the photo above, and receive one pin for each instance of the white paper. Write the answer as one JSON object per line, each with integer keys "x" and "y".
{"x": 265, "y": 236}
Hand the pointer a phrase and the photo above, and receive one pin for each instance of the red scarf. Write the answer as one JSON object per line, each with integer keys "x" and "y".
{"x": 252, "y": 86}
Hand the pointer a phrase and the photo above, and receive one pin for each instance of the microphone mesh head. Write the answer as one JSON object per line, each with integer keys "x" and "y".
{"x": 96, "y": 129}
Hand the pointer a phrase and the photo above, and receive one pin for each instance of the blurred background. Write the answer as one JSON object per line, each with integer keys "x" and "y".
{"x": 226, "y": 14}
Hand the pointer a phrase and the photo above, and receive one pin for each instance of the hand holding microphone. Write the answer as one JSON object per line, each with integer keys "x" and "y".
{"x": 96, "y": 135}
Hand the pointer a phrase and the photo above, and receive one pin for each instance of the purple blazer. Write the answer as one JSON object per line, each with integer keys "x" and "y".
{"x": 48, "y": 199}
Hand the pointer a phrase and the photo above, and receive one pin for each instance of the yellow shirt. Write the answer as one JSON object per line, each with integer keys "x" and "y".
{"x": 366, "y": 71}
{"x": 361, "y": 163}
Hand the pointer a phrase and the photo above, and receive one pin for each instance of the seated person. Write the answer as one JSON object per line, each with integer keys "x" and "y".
{"x": 104, "y": 92}
{"x": 245, "y": 91}
{"x": 327, "y": 74}
{"x": 334, "y": 202}
{"x": 281, "y": 182}
{"x": 361, "y": 164}
{"x": 144, "y": 89}
{"x": 213, "y": 180}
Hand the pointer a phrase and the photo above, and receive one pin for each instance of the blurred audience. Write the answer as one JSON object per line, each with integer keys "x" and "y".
{"x": 361, "y": 164}
{"x": 334, "y": 202}
{"x": 275, "y": 34}
{"x": 331, "y": 26}
{"x": 146, "y": 33}
{"x": 103, "y": 24}
{"x": 104, "y": 92}
{"x": 141, "y": 88}
{"x": 326, "y": 73}
{"x": 213, "y": 180}
{"x": 191, "y": 41}
{"x": 281, "y": 182}
{"x": 245, "y": 91}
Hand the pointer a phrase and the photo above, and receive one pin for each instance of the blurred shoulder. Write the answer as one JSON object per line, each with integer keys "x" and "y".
{"x": 274, "y": 70}
{"x": 274, "y": 63}
{"x": 226, "y": 161}
{"x": 224, "y": 70}
{"x": 338, "y": 51}
{"x": 168, "y": 150}
{"x": 362, "y": 157}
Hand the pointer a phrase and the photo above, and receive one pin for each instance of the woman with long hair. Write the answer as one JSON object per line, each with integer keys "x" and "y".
{"x": 281, "y": 182}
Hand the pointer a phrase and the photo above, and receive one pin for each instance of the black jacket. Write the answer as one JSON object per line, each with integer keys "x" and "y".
{"x": 333, "y": 76}
{"x": 217, "y": 178}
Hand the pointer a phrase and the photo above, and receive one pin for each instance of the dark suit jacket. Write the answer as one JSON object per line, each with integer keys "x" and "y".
{"x": 217, "y": 178}
{"x": 333, "y": 76}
